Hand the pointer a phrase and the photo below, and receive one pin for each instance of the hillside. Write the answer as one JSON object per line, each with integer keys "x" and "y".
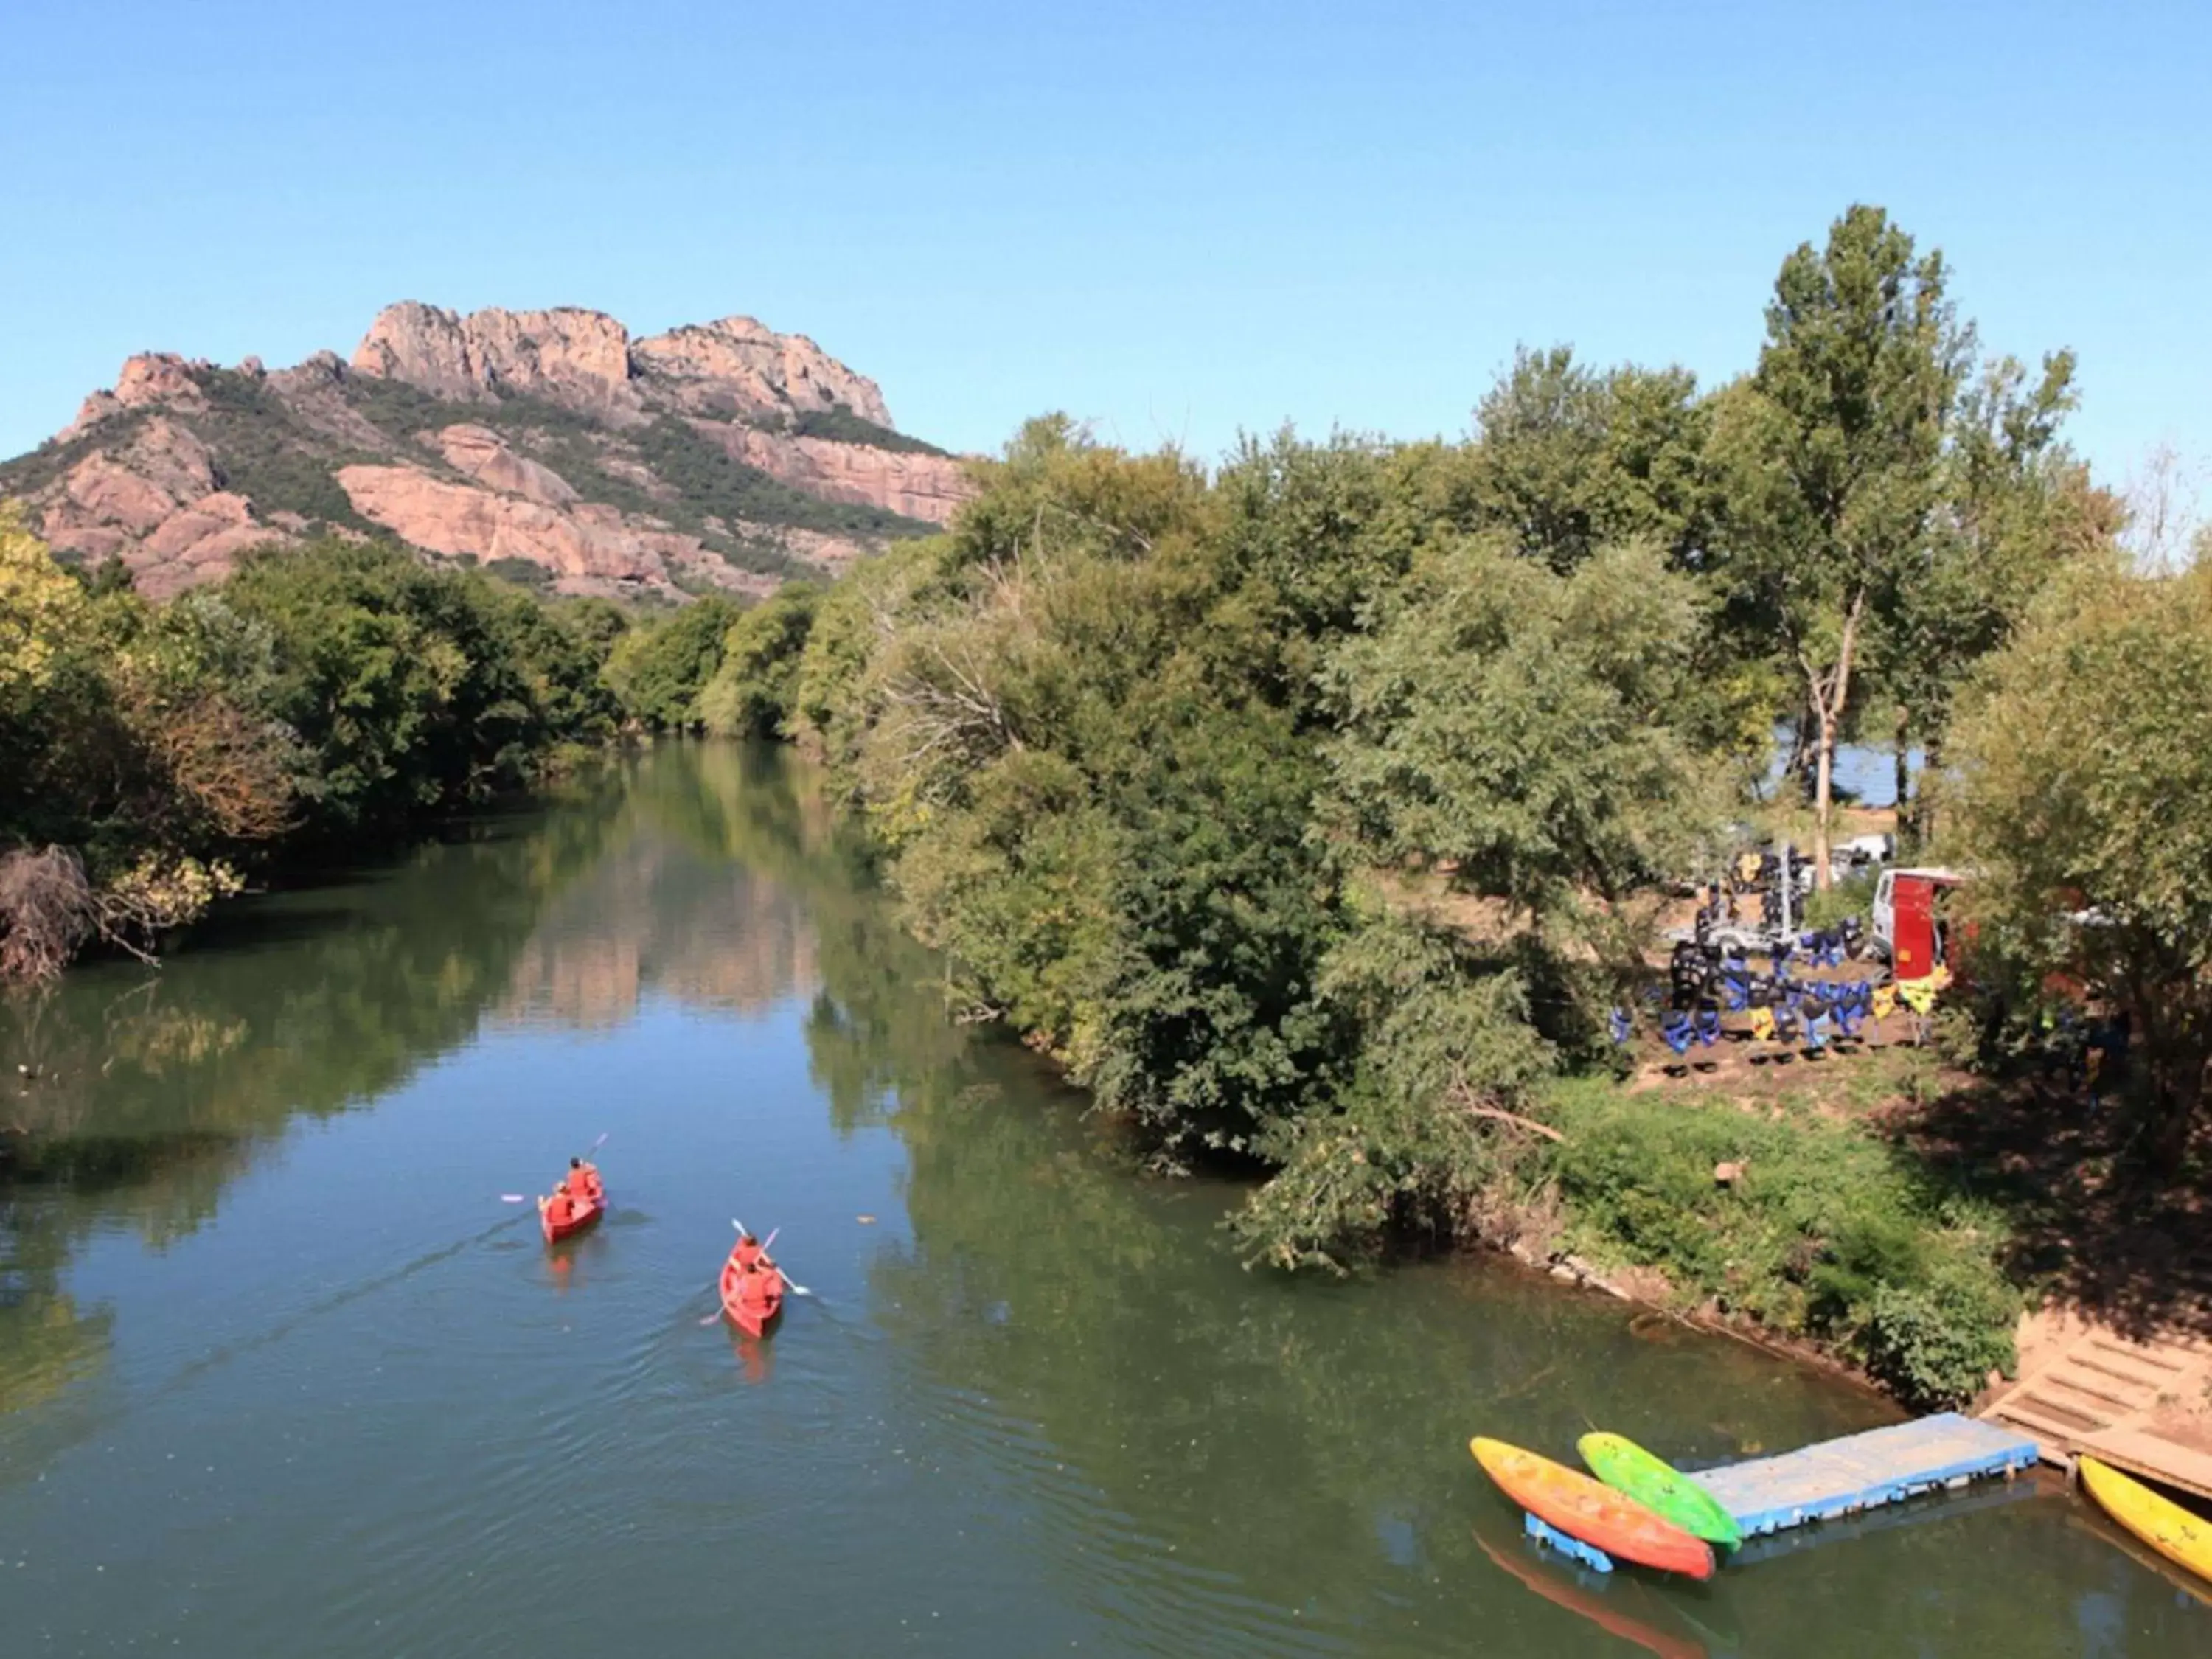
{"x": 550, "y": 445}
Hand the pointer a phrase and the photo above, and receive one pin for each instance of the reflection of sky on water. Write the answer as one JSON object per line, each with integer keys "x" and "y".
{"x": 1865, "y": 772}
{"x": 2102, "y": 1620}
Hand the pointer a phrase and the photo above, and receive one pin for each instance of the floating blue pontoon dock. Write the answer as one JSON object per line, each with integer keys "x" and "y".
{"x": 1842, "y": 1477}
{"x": 1860, "y": 1471}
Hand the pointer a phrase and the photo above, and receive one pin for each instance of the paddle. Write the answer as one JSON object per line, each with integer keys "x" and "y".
{"x": 523, "y": 1198}
{"x": 789, "y": 1283}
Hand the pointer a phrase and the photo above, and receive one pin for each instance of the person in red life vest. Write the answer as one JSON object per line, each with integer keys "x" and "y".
{"x": 583, "y": 1181}
{"x": 759, "y": 1287}
{"x": 748, "y": 1252}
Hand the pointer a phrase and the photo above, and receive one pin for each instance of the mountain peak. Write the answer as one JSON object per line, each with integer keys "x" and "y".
{"x": 718, "y": 454}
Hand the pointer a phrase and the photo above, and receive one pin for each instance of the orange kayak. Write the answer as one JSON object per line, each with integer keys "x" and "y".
{"x": 752, "y": 1291}
{"x": 562, "y": 1213}
{"x": 1595, "y": 1514}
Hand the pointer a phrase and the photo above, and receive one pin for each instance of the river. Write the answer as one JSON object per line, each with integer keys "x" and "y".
{"x": 280, "y": 1373}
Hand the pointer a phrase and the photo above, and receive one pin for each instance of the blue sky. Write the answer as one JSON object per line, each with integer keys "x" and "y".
{"x": 1175, "y": 220}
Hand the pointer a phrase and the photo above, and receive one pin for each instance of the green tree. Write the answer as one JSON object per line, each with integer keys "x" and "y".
{"x": 658, "y": 672}
{"x": 2087, "y": 767}
{"x": 753, "y": 692}
{"x": 1431, "y": 1114}
{"x": 1569, "y": 459}
{"x": 414, "y": 689}
{"x": 1521, "y": 726}
{"x": 2016, "y": 508}
{"x": 1831, "y": 455}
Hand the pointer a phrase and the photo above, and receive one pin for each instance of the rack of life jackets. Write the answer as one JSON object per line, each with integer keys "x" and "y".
{"x": 1704, "y": 981}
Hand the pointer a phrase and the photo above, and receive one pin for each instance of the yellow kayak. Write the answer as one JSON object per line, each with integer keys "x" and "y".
{"x": 2164, "y": 1525}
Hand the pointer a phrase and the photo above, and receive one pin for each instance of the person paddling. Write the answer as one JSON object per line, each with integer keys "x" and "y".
{"x": 583, "y": 1180}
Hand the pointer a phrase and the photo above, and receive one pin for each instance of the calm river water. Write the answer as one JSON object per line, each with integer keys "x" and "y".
{"x": 281, "y": 1373}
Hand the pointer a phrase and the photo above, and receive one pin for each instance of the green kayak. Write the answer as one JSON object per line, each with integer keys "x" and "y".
{"x": 1666, "y": 1491}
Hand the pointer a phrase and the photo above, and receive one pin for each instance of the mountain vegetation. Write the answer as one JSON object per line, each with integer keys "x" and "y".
{"x": 720, "y": 457}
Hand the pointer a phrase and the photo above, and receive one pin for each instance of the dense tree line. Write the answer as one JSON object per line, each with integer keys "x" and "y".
{"x": 1154, "y": 753}
{"x": 152, "y": 757}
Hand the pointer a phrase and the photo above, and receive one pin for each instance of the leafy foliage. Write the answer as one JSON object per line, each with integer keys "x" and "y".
{"x": 753, "y": 692}
{"x": 1428, "y": 1125}
{"x": 2087, "y": 787}
{"x": 324, "y": 691}
{"x": 1517, "y": 723}
{"x": 417, "y": 689}
{"x": 1571, "y": 460}
{"x": 658, "y": 670}
{"x": 1830, "y": 455}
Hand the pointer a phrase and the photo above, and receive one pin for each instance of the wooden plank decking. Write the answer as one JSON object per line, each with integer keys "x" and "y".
{"x": 2099, "y": 1393}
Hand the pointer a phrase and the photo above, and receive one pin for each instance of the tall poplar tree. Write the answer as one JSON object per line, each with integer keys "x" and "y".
{"x": 1831, "y": 455}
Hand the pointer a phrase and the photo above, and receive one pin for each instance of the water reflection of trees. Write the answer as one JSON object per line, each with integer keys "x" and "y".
{"x": 877, "y": 1025}
{"x": 671, "y": 908}
{"x": 1230, "y": 1448}
{"x": 149, "y": 1092}
{"x": 704, "y": 872}
{"x": 1309, "y": 1442}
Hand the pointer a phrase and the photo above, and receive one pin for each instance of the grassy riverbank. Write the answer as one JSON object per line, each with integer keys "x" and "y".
{"x": 1831, "y": 1229}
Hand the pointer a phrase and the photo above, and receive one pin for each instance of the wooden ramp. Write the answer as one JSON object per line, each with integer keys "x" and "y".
{"x": 1862, "y": 1470}
{"x": 2098, "y": 1392}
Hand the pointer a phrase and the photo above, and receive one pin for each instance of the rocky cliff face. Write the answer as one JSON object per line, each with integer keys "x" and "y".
{"x": 548, "y": 442}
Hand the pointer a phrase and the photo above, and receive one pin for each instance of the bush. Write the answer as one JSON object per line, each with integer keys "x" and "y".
{"x": 1831, "y": 1234}
{"x": 1933, "y": 1345}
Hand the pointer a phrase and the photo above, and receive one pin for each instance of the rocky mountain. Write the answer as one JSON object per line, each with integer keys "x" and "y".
{"x": 549, "y": 445}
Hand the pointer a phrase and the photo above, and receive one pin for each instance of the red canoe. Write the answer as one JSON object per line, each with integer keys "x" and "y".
{"x": 562, "y": 1214}
{"x": 752, "y": 1293}
{"x": 1597, "y": 1515}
